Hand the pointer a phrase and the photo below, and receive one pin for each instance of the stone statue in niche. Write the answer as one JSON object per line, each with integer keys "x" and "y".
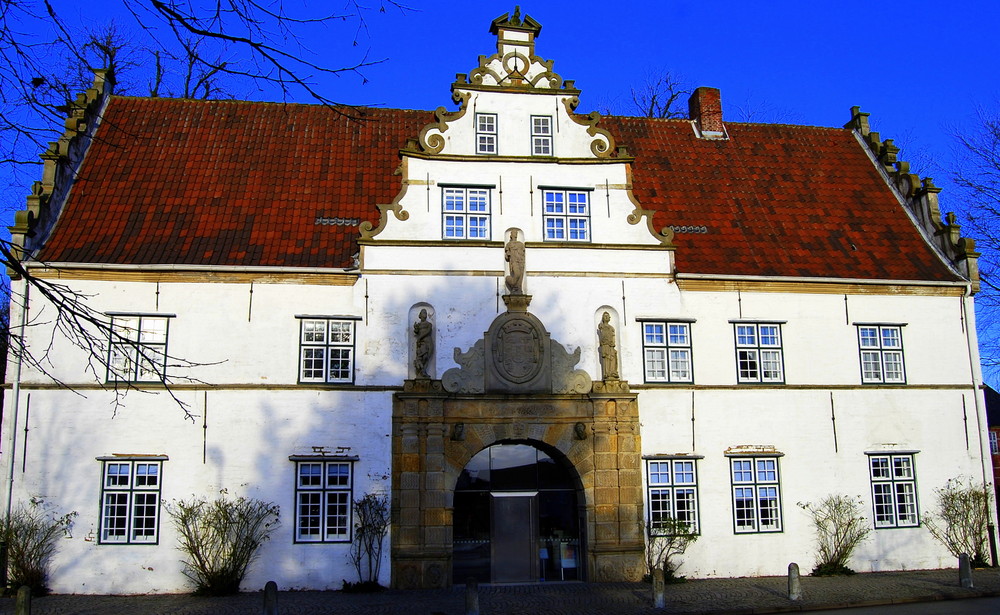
{"x": 513, "y": 253}
{"x": 423, "y": 344}
{"x": 606, "y": 348}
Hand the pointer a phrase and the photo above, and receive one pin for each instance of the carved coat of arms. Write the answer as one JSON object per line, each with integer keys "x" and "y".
{"x": 517, "y": 353}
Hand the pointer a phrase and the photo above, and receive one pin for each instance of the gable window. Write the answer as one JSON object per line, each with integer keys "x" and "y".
{"x": 323, "y": 499}
{"x": 486, "y": 133}
{"x": 881, "y": 348}
{"x": 666, "y": 350}
{"x": 138, "y": 348}
{"x": 894, "y": 490}
{"x": 672, "y": 495}
{"x": 326, "y": 349}
{"x": 758, "y": 352}
{"x": 541, "y": 135}
{"x": 756, "y": 494}
{"x": 466, "y": 212}
{"x": 567, "y": 214}
{"x": 130, "y": 500}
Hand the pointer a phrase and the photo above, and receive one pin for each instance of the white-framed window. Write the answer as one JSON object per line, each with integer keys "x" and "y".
{"x": 541, "y": 135}
{"x": 994, "y": 445}
{"x": 130, "y": 500}
{"x": 756, "y": 494}
{"x": 671, "y": 493}
{"x": 881, "y": 348}
{"x": 465, "y": 212}
{"x": 486, "y": 133}
{"x": 326, "y": 349}
{"x": 758, "y": 352}
{"x": 894, "y": 490}
{"x": 567, "y": 215}
{"x": 666, "y": 351}
{"x": 323, "y": 500}
{"x": 137, "y": 348}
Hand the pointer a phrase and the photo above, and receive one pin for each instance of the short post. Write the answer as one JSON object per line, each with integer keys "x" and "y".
{"x": 992, "y": 531}
{"x": 471, "y": 596}
{"x": 22, "y": 605}
{"x": 794, "y": 583}
{"x": 964, "y": 571}
{"x": 271, "y": 598}
{"x": 659, "y": 593}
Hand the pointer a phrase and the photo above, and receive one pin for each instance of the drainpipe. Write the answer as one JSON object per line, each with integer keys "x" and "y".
{"x": 977, "y": 395}
{"x": 13, "y": 414}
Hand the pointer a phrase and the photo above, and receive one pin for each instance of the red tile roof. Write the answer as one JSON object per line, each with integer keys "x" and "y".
{"x": 171, "y": 181}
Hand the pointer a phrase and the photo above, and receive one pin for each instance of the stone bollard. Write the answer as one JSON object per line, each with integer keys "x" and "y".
{"x": 964, "y": 571}
{"x": 794, "y": 583}
{"x": 659, "y": 593}
{"x": 22, "y": 606}
{"x": 471, "y": 596}
{"x": 271, "y": 598}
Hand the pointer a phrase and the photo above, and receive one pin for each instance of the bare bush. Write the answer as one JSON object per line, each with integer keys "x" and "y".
{"x": 962, "y": 518}
{"x": 371, "y": 523}
{"x": 221, "y": 538}
{"x": 840, "y": 526}
{"x": 667, "y": 538}
{"x": 30, "y": 533}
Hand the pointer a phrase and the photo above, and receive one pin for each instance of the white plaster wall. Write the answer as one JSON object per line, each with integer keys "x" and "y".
{"x": 249, "y": 437}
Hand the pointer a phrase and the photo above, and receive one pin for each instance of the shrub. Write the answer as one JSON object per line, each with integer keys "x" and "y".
{"x": 221, "y": 539}
{"x": 371, "y": 522}
{"x": 667, "y": 538}
{"x": 840, "y": 527}
{"x": 962, "y": 518}
{"x": 30, "y": 533}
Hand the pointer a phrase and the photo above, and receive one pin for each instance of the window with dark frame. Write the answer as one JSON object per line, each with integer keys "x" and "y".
{"x": 666, "y": 351}
{"x": 759, "y": 352}
{"x": 672, "y": 494}
{"x": 881, "y": 348}
{"x": 137, "y": 348}
{"x": 326, "y": 350}
{"x": 756, "y": 494}
{"x": 566, "y": 215}
{"x": 486, "y": 133}
{"x": 894, "y": 490}
{"x": 130, "y": 500}
{"x": 465, "y": 212}
{"x": 324, "y": 492}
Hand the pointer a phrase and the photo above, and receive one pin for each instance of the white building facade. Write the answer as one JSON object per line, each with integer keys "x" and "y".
{"x": 418, "y": 305}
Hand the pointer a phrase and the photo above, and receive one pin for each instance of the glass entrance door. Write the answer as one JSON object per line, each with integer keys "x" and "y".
{"x": 516, "y": 518}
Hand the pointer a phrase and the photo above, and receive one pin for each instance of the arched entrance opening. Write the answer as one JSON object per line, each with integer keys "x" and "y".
{"x": 517, "y": 516}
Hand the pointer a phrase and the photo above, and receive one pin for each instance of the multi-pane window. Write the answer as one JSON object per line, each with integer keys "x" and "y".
{"x": 881, "y": 353}
{"x": 567, "y": 215}
{"x": 326, "y": 350}
{"x": 486, "y": 133}
{"x": 138, "y": 349}
{"x": 894, "y": 490}
{"x": 323, "y": 500}
{"x": 541, "y": 135}
{"x": 994, "y": 445}
{"x": 466, "y": 212}
{"x": 758, "y": 352}
{"x": 756, "y": 494}
{"x": 130, "y": 501}
{"x": 666, "y": 349}
{"x": 672, "y": 491}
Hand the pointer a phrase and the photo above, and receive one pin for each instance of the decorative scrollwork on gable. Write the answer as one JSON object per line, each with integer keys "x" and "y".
{"x": 665, "y": 235}
{"x": 369, "y": 230}
{"x": 434, "y": 142}
{"x": 604, "y": 143}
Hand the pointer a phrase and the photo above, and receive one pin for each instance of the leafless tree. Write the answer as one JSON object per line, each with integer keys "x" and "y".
{"x": 977, "y": 178}
{"x": 661, "y": 95}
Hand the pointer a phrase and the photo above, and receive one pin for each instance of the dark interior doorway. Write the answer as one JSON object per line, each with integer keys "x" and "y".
{"x": 516, "y": 518}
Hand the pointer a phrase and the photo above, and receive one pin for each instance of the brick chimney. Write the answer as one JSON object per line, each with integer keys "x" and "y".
{"x": 705, "y": 108}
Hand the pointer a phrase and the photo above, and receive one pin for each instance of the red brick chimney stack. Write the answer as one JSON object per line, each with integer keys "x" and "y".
{"x": 705, "y": 107}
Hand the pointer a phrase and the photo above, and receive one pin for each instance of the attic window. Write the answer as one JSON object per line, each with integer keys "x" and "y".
{"x": 486, "y": 133}
{"x": 324, "y": 221}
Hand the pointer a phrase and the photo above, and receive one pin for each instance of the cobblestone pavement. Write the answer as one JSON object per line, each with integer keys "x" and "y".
{"x": 722, "y": 596}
